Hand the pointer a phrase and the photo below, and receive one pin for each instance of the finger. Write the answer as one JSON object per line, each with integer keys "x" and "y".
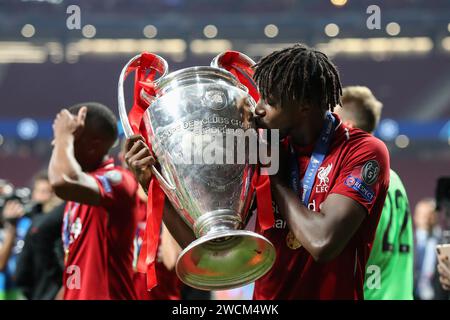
{"x": 444, "y": 281}
{"x": 137, "y": 147}
{"x": 444, "y": 269}
{"x": 144, "y": 163}
{"x": 129, "y": 143}
{"x": 81, "y": 117}
{"x": 442, "y": 257}
{"x": 447, "y": 288}
{"x": 143, "y": 153}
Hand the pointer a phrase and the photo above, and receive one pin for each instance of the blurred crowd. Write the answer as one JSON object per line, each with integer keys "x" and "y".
{"x": 32, "y": 255}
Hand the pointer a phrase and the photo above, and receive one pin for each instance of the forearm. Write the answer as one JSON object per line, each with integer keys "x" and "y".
{"x": 63, "y": 164}
{"x": 179, "y": 230}
{"x": 8, "y": 244}
{"x": 307, "y": 226}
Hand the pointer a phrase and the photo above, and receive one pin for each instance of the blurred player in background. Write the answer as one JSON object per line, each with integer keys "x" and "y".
{"x": 389, "y": 272}
{"x": 428, "y": 233}
{"x": 100, "y": 217}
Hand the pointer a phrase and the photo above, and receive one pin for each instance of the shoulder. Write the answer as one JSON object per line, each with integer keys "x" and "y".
{"x": 115, "y": 178}
{"x": 364, "y": 146}
{"x": 363, "y": 141}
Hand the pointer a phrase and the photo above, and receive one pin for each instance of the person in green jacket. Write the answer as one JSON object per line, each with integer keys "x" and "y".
{"x": 389, "y": 271}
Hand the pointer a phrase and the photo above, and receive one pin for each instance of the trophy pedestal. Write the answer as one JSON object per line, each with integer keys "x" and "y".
{"x": 224, "y": 258}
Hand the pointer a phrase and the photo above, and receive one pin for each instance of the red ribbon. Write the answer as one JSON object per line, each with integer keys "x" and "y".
{"x": 233, "y": 62}
{"x": 146, "y": 68}
{"x": 261, "y": 184}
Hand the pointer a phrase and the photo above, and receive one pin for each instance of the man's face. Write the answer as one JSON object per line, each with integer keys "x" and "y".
{"x": 425, "y": 217}
{"x": 270, "y": 115}
{"x": 42, "y": 191}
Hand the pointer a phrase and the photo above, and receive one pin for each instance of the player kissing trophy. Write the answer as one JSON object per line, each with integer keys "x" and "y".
{"x": 185, "y": 117}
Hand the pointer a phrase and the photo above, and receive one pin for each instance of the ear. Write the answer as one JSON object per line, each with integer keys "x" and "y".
{"x": 349, "y": 124}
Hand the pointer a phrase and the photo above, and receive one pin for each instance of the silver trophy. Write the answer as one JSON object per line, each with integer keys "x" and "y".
{"x": 187, "y": 111}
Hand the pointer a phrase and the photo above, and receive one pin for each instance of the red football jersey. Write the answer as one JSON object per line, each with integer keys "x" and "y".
{"x": 169, "y": 286}
{"x": 356, "y": 166}
{"x": 99, "y": 256}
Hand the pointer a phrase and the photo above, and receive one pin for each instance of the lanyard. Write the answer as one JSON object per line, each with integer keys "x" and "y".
{"x": 317, "y": 157}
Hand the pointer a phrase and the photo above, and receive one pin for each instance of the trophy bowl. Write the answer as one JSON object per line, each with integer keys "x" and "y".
{"x": 197, "y": 132}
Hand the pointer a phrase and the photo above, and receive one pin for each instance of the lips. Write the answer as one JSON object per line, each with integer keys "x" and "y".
{"x": 260, "y": 123}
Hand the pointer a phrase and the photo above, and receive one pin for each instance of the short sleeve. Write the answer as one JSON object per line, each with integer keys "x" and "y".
{"x": 364, "y": 176}
{"x": 116, "y": 187}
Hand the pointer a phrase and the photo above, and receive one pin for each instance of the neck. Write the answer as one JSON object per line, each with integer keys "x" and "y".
{"x": 309, "y": 130}
{"x": 95, "y": 164}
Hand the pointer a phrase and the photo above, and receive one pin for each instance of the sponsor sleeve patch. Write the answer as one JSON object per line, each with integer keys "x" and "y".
{"x": 361, "y": 187}
{"x": 105, "y": 183}
{"x": 114, "y": 176}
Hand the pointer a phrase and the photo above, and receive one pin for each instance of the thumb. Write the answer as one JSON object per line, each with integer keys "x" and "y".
{"x": 82, "y": 115}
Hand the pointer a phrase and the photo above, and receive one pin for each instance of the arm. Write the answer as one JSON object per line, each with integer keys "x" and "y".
{"x": 169, "y": 250}
{"x": 323, "y": 234}
{"x": 139, "y": 160}
{"x": 12, "y": 211}
{"x": 181, "y": 232}
{"x": 65, "y": 174}
{"x": 7, "y": 246}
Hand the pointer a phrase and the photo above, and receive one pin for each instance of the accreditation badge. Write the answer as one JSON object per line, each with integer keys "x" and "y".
{"x": 292, "y": 242}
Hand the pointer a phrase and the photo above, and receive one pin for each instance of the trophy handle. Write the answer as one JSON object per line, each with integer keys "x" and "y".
{"x": 153, "y": 63}
{"x": 241, "y": 66}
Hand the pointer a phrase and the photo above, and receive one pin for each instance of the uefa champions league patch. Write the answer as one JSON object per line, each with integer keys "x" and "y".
{"x": 105, "y": 183}
{"x": 370, "y": 171}
{"x": 114, "y": 176}
{"x": 359, "y": 186}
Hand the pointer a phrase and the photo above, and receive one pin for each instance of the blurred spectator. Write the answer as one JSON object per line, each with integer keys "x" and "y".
{"x": 11, "y": 230}
{"x": 428, "y": 234}
{"x": 41, "y": 263}
{"x": 18, "y": 213}
{"x": 42, "y": 193}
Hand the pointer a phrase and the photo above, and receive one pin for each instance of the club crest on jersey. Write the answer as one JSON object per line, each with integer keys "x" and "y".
{"x": 322, "y": 175}
{"x": 75, "y": 229}
{"x": 370, "y": 171}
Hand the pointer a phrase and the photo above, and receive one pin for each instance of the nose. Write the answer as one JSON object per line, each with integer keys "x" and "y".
{"x": 260, "y": 111}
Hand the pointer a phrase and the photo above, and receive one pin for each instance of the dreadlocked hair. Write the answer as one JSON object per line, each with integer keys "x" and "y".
{"x": 299, "y": 74}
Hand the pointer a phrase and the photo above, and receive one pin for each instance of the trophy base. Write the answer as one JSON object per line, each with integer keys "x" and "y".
{"x": 225, "y": 260}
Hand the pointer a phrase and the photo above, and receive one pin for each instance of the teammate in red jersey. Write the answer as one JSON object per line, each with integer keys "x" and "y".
{"x": 100, "y": 218}
{"x": 329, "y": 191}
